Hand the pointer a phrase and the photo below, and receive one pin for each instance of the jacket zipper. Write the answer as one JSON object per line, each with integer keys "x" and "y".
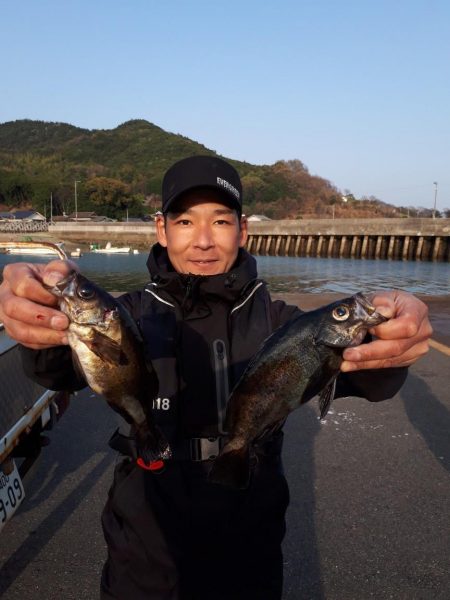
{"x": 222, "y": 385}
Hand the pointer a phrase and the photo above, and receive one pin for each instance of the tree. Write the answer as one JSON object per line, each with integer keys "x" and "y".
{"x": 112, "y": 195}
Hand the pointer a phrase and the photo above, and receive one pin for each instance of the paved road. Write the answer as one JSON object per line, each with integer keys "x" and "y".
{"x": 369, "y": 514}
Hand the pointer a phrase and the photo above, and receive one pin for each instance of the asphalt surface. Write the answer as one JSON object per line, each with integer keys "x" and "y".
{"x": 369, "y": 512}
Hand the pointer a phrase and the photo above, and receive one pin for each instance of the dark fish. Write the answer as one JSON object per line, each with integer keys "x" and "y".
{"x": 108, "y": 349}
{"x": 298, "y": 361}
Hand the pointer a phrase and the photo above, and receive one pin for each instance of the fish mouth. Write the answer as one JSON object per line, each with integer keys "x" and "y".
{"x": 65, "y": 287}
{"x": 367, "y": 312}
{"x": 66, "y": 291}
{"x": 368, "y": 316}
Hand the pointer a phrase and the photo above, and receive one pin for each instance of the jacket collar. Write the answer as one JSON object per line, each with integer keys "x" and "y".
{"x": 194, "y": 293}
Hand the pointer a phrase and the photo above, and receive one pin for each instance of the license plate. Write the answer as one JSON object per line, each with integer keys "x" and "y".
{"x": 11, "y": 495}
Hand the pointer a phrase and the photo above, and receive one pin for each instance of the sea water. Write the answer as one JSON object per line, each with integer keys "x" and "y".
{"x": 127, "y": 272}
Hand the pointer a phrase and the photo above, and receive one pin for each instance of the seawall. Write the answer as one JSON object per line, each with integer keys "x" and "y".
{"x": 407, "y": 239}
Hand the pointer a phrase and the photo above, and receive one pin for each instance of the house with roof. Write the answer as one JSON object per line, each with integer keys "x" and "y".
{"x": 28, "y": 215}
{"x": 6, "y": 216}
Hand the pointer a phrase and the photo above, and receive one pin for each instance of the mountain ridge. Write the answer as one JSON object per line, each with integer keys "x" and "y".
{"x": 121, "y": 169}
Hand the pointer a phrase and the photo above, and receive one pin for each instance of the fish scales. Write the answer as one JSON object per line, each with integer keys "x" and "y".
{"x": 108, "y": 350}
{"x": 298, "y": 361}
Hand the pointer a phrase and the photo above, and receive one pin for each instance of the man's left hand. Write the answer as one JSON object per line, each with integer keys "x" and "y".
{"x": 400, "y": 341}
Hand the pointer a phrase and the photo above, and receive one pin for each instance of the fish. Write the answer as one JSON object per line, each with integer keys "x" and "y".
{"x": 300, "y": 360}
{"x": 108, "y": 349}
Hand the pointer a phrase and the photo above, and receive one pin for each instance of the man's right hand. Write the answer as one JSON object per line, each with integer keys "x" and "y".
{"x": 29, "y": 311}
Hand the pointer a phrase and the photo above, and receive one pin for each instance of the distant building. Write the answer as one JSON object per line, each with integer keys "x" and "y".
{"x": 28, "y": 215}
{"x": 103, "y": 219}
{"x": 7, "y": 216}
{"x": 258, "y": 218}
{"x": 82, "y": 216}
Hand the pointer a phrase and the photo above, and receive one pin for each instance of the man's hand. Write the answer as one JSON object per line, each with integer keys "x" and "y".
{"x": 27, "y": 310}
{"x": 400, "y": 341}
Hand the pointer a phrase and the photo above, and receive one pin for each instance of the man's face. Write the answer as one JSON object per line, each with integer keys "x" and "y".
{"x": 204, "y": 236}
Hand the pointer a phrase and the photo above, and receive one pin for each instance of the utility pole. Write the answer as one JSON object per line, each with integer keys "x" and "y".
{"x": 76, "y": 201}
{"x": 435, "y": 183}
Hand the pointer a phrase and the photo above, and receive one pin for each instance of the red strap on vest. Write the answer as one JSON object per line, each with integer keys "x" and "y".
{"x": 156, "y": 466}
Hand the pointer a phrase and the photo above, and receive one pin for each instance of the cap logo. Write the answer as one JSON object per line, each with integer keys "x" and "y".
{"x": 228, "y": 186}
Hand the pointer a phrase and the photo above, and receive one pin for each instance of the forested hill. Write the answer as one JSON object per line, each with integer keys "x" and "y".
{"x": 122, "y": 168}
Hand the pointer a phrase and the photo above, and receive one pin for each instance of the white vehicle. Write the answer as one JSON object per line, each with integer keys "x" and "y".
{"x": 26, "y": 411}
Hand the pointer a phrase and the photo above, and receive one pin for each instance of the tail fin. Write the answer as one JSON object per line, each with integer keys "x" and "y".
{"x": 232, "y": 468}
{"x": 152, "y": 444}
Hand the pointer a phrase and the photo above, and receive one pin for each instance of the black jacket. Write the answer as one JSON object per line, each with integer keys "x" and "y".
{"x": 200, "y": 333}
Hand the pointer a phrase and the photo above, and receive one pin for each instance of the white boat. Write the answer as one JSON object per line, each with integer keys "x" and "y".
{"x": 108, "y": 249}
{"x": 76, "y": 253}
{"x": 30, "y": 250}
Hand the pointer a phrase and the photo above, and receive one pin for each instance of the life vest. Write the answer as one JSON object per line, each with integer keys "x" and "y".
{"x": 199, "y": 360}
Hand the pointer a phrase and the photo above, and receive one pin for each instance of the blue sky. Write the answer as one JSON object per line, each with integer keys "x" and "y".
{"x": 358, "y": 91}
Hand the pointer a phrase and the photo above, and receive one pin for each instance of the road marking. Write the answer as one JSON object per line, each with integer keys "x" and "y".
{"x": 441, "y": 347}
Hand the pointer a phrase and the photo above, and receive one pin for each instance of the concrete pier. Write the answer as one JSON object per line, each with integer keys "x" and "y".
{"x": 396, "y": 239}
{"x": 393, "y": 239}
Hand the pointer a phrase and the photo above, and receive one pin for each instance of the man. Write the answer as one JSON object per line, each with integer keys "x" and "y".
{"x": 202, "y": 316}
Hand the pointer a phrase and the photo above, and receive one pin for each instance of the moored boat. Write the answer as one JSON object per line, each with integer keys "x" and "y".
{"x": 34, "y": 248}
{"x": 109, "y": 249}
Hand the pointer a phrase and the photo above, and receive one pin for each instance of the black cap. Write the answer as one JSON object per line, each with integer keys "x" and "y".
{"x": 202, "y": 172}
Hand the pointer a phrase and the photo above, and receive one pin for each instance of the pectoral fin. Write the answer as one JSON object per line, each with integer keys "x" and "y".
{"x": 106, "y": 349}
{"x": 326, "y": 397}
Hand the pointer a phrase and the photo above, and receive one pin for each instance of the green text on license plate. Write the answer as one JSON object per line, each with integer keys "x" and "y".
{"x": 11, "y": 494}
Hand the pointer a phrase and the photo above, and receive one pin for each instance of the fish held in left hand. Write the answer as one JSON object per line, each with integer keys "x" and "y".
{"x": 298, "y": 361}
{"x": 108, "y": 350}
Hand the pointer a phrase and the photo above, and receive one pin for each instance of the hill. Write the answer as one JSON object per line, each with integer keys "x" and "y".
{"x": 121, "y": 169}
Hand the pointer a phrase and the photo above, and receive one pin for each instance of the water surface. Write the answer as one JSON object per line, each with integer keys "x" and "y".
{"x": 126, "y": 272}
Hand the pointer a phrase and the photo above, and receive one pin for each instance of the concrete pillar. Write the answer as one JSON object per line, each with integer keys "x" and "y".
{"x": 258, "y": 244}
{"x": 391, "y": 246}
{"x": 288, "y": 243}
{"x": 378, "y": 246}
{"x": 436, "y": 246}
{"x": 419, "y": 248}
{"x": 342, "y": 246}
{"x": 297, "y": 245}
{"x": 278, "y": 244}
{"x": 364, "y": 246}
{"x": 268, "y": 242}
{"x": 405, "y": 247}
{"x": 319, "y": 245}
{"x": 249, "y": 244}
{"x": 330, "y": 246}
{"x": 354, "y": 244}
{"x": 309, "y": 244}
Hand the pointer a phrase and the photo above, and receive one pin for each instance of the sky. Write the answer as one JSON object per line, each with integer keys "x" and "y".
{"x": 359, "y": 91}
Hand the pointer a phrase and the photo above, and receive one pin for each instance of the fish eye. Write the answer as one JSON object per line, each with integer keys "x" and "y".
{"x": 86, "y": 291}
{"x": 341, "y": 313}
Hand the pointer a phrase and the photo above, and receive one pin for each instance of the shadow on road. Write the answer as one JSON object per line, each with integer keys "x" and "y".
{"x": 300, "y": 549}
{"x": 66, "y": 473}
{"x": 429, "y": 416}
{"x": 38, "y": 538}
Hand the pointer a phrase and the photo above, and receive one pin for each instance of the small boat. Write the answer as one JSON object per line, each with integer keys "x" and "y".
{"x": 108, "y": 249}
{"x": 76, "y": 253}
{"x": 34, "y": 248}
